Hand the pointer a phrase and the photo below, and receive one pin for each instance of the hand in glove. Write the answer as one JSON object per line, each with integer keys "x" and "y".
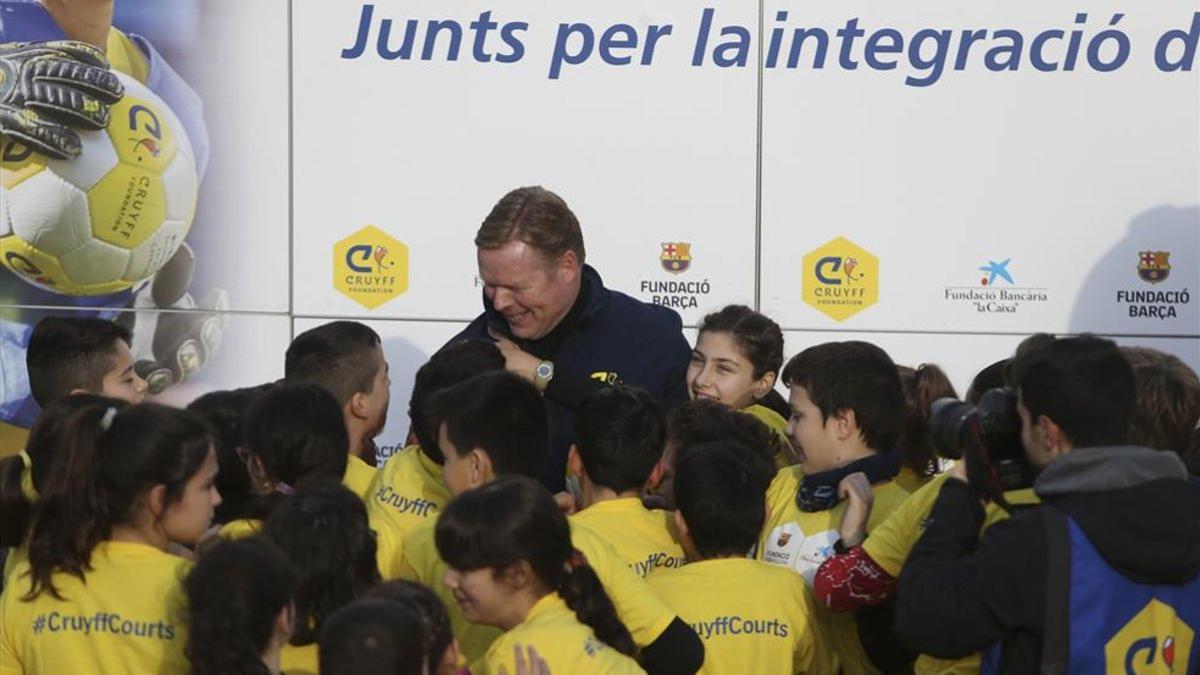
{"x": 48, "y": 87}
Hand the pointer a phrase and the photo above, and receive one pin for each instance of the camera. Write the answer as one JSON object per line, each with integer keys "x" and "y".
{"x": 987, "y": 437}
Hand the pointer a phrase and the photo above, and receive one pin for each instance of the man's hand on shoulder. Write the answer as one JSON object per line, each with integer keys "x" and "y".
{"x": 517, "y": 360}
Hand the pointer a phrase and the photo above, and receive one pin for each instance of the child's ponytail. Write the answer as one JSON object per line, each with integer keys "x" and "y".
{"x": 583, "y": 593}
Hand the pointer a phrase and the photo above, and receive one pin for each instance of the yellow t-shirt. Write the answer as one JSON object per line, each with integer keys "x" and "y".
{"x": 358, "y": 476}
{"x": 20, "y": 554}
{"x": 639, "y": 609}
{"x": 645, "y": 539}
{"x": 566, "y": 644}
{"x": 753, "y": 617}
{"x": 407, "y": 491}
{"x": 892, "y": 541}
{"x": 128, "y": 617}
{"x": 803, "y": 540}
{"x": 303, "y": 660}
{"x": 241, "y": 528}
{"x": 911, "y": 481}
{"x": 787, "y": 454}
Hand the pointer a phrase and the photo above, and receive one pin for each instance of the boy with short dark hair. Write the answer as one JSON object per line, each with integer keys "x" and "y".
{"x": 408, "y": 489}
{"x": 1168, "y": 400}
{"x": 347, "y": 359}
{"x": 753, "y": 617}
{"x": 495, "y": 424}
{"x": 848, "y": 411}
{"x": 618, "y": 453}
{"x": 72, "y": 355}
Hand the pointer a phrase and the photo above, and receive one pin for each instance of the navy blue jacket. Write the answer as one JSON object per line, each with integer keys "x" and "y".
{"x": 611, "y": 338}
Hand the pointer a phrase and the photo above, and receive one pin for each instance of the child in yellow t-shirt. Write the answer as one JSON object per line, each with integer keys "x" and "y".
{"x": 346, "y": 359}
{"x": 494, "y": 425}
{"x": 512, "y": 565}
{"x": 239, "y": 607}
{"x": 323, "y": 530}
{"x": 621, "y": 432}
{"x": 294, "y": 436}
{"x": 100, "y": 593}
{"x": 847, "y": 413}
{"x": 736, "y": 362}
{"x": 753, "y": 617}
{"x": 409, "y": 489}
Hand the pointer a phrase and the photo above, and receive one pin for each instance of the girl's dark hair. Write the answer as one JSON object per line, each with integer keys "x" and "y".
{"x": 235, "y": 592}
{"x": 224, "y": 412}
{"x": 756, "y": 335}
{"x": 298, "y": 433}
{"x": 43, "y": 448}
{"x": 513, "y": 519}
{"x": 111, "y": 457}
{"x": 922, "y": 387}
{"x": 428, "y": 605}
{"x": 324, "y": 532}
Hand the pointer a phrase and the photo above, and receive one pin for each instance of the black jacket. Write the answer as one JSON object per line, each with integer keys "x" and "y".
{"x": 959, "y": 593}
{"x": 606, "y": 337}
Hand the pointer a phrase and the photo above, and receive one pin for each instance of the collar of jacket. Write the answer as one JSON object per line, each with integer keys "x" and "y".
{"x": 596, "y": 300}
{"x": 1101, "y": 469}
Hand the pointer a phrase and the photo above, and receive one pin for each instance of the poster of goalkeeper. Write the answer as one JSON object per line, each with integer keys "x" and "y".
{"x": 144, "y": 174}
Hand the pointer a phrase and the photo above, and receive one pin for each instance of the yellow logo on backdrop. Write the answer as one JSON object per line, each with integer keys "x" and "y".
{"x": 370, "y": 267}
{"x": 840, "y": 279}
{"x": 1155, "y": 641}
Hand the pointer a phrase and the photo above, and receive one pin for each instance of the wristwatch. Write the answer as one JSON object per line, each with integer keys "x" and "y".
{"x": 543, "y": 374}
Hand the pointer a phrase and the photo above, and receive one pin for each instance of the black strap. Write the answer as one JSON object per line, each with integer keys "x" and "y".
{"x": 1056, "y": 629}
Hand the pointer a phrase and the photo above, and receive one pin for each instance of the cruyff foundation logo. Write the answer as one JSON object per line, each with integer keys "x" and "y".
{"x": 840, "y": 279}
{"x": 370, "y": 267}
{"x": 1156, "y": 640}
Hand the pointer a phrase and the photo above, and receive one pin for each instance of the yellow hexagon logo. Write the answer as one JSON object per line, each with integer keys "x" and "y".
{"x": 370, "y": 267}
{"x": 840, "y": 279}
{"x": 1154, "y": 641}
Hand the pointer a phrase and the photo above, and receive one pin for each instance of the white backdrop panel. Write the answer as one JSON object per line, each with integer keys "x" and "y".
{"x": 1068, "y": 174}
{"x": 422, "y": 149}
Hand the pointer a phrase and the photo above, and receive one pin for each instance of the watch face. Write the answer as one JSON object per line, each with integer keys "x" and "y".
{"x": 544, "y": 370}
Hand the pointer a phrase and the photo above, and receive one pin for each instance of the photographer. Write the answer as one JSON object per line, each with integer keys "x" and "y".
{"x": 1051, "y": 589}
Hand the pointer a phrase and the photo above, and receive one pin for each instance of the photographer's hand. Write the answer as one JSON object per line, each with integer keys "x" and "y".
{"x": 855, "y": 489}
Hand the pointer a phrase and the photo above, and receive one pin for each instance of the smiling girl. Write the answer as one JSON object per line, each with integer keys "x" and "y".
{"x": 511, "y": 565}
{"x": 100, "y": 593}
{"x": 735, "y": 362}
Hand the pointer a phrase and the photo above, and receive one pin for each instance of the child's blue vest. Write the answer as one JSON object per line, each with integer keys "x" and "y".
{"x": 1098, "y": 621}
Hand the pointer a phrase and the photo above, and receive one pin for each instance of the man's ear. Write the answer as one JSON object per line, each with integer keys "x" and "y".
{"x": 1052, "y": 435}
{"x": 575, "y": 462}
{"x": 567, "y": 266}
{"x": 763, "y": 386}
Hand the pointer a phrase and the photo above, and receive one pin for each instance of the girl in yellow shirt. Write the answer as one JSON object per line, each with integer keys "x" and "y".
{"x": 736, "y": 362}
{"x": 295, "y": 434}
{"x": 511, "y": 565}
{"x": 100, "y": 593}
{"x": 323, "y": 530}
{"x": 21, "y": 479}
{"x": 240, "y": 610}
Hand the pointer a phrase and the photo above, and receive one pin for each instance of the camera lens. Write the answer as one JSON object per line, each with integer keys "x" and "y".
{"x": 946, "y": 419}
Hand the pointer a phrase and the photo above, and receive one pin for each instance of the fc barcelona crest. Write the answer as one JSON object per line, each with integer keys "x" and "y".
{"x": 676, "y": 256}
{"x": 1154, "y": 266}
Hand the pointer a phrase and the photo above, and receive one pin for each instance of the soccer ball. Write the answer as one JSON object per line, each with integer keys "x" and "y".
{"x": 109, "y": 218}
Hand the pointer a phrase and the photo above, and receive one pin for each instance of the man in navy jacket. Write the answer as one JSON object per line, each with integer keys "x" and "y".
{"x": 557, "y": 324}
